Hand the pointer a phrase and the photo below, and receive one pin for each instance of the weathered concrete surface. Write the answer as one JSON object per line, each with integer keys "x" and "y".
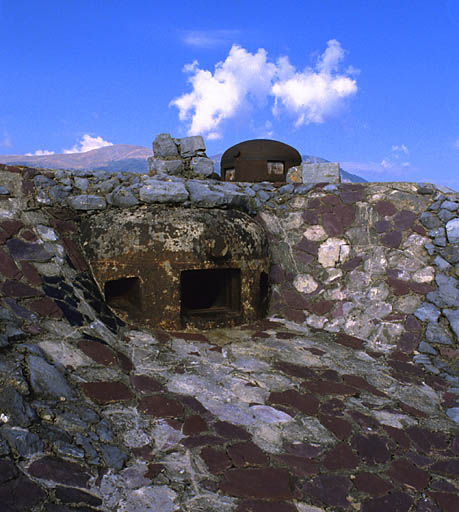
{"x": 156, "y": 246}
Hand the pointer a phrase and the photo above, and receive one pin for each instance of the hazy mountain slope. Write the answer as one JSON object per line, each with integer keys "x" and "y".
{"x": 97, "y": 158}
{"x": 120, "y": 157}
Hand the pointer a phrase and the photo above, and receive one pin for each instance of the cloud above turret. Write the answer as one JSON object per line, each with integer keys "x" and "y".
{"x": 250, "y": 80}
{"x": 88, "y": 143}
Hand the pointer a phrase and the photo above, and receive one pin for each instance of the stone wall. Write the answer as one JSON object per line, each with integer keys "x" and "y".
{"x": 375, "y": 261}
{"x": 377, "y": 264}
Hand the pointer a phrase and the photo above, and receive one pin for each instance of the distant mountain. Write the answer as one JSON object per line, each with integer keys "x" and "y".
{"x": 102, "y": 158}
{"x": 121, "y": 157}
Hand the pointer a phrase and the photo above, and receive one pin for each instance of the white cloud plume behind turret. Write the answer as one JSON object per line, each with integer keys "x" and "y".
{"x": 251, "y": 80}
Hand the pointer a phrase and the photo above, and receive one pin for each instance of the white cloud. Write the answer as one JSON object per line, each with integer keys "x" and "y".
{"x": 208, "y": 38}
{"x": 248, "y": 80}
{"x": 314, "y": 94}
{"x": 40, "y": 152}
{"x": 400, "y": 149}
{"x": 88, "y": 143}
{"x": 385, "y": 164}
{"x": 219, "y": 96}
{"x": 6, "y": 140}
{"x": 395, "y": 159}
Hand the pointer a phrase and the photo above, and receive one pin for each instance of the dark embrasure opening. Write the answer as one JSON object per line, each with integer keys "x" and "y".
{"x": 212, "y": 291}
{"x": 123, "y": 293}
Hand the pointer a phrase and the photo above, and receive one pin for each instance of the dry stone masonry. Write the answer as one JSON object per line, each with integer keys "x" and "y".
{"x": 344, "y": 396}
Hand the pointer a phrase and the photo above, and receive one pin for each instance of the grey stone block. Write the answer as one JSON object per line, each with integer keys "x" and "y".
{"x": 191, "y": 146}
{"x": 43, "y": 182}
{"x": 452, "y": 231}
{"x": 450, "y": 205}
{"x": 429, "y": 220}
{"x": 263, "y": 196}
{"x": 104, "y": 432}
{"x": 4, "y": 341}
{"x": 439, "y": 241}
{"x": 451, "y": 254}
{"x": 436, "y": 204}
{"x": 202, "y": 166}
{"x": 82, "y": 183}
{"x": 430, "y": 248}
{"x": 60, "y": 193}
{"x": 453, "y": 413}
{"x": 113, "y": 456}
{"x": 235, "y": 199}
{"x": 107, "y": 186}
{"x": 441, "y": 263}
{"x": 45, "y": 379}
{"x": 87, "y": 202}
{"x": 421, "y": 359}
{"x": 12, "y": 405}
{"x": 445, "y": 215}
{"x": 164, "y": 146}
{"x": 303, "y": 189}
{"x": 453, "y": 316}
{"x": 320, "y": 172}
{"x": 436, "y": 334}
{"x": 450, "y": 379}
{"x": 286, "y": 189}
{"x": 437, "y": 232}
{"x": 62, "y": 174}
{"x": 163, "y": 192}
{"x": 69, "y": 450}
{"x": 122, "y": 197}
{"x": 83, "y": 173}
{"x": 173, "y": 167}
{"x": 46, "y": 233}
{"x": 22, "y": 441}
{"x": 445, "y": 190}
{"x": 202, "y": 195}
{"x": 426, "y": 348}
{"x": 447, "y": 290}
{"x": 427, "y": 312}
{"x": 4, "y": 448}
{"x": 85, "y": 443}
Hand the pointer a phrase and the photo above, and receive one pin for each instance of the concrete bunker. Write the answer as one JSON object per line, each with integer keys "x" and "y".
{"x": 179, "y": 268}
{"x": 258, "y": 160}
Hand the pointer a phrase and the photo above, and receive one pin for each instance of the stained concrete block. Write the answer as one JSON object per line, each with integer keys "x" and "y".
{"x": 327, "y": 172}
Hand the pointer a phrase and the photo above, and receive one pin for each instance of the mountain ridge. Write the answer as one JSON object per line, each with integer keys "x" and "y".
{"x": 120, "y": 157}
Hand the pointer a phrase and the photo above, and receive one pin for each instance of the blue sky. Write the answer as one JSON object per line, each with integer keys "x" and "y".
{"x": 371, "y": 84}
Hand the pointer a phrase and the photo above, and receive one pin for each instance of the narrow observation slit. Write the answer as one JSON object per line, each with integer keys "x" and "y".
{"x": 210, "y": 292}
{"x": 123, "y": 293}
{"x": 264, "y": 293}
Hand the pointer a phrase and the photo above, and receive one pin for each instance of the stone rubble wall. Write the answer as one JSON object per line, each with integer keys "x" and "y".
{"x": 376, "y": 261}
{"x": 373, "y": 262}
{"x": 180, "y": 157}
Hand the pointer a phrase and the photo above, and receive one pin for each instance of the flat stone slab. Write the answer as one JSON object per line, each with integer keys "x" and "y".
{"x": 163, "y": 192}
